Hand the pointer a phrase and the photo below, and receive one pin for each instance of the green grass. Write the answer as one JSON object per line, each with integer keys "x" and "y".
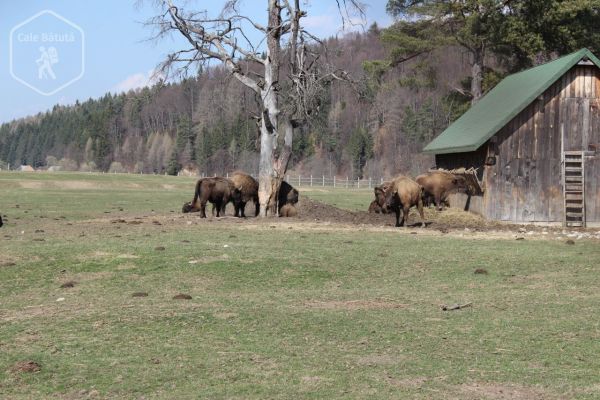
{"x": 285, "y": 310}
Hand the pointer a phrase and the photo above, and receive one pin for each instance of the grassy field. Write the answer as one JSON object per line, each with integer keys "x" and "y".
{"x": 278, "y": 308}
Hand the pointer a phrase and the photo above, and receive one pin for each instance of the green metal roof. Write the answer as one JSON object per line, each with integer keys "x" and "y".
{"x": 502, "y": 104}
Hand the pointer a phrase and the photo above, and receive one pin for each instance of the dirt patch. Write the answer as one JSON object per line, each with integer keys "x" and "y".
{"x": 497, "y": 391}
{"x": 26, "y": 366}
{"x": 377, "y": 304}
{"x": 68, "y": 284}
{"x": 139, "y": 294}
{"x": 311, "y": 210}
{"x": 182, "y": 297}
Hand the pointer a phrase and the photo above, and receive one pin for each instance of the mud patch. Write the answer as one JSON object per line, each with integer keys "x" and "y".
{"x": 351, "y": 305}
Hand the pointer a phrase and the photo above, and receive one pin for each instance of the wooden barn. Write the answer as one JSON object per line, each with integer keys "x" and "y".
{"x": 535, "y": 143}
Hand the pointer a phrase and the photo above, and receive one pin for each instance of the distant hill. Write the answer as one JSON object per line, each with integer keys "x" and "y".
{"x": 206, "y": 121}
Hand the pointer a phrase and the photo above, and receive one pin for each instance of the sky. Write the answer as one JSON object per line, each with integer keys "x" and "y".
{"x": 57, "y": 52}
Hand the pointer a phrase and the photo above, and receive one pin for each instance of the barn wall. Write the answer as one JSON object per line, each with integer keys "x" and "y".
{"x": 475, "y": 160}
{"x": 525, "y": 184}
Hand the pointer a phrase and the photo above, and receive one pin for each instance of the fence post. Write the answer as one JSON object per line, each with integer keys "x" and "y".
{"x": 358, "y": 183}
{"x": 369, "y": 182}
{"x": 323, "y": 180}
{"x": 299, "y": 180}
{"x": 346, "y": 181}
{"x": 311, "y": 181}
{"x": 228, "y": 175}
{"x": 334, "y": 181}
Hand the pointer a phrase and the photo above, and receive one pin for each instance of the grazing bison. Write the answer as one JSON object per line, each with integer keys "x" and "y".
{"x": 248, "y": 186}
{"x": 218, "y": 191}
{"x": 1, "y": 223}
{"x": 404, "y": 193}
{"x": 288, "y": 210}
{"x": 377, "y": 206}
{"x": 438, "y": 185}
{"x": 287, "y": 195}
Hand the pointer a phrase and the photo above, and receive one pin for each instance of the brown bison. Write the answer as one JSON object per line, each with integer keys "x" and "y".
{"x": 438, "y": 185}
{"x": 287, "y": 195}
{"x": 404, "y": 193}
{"x": 248, "y": 186}
{"x": 1, "y": 223}
{"x": 218, "y": 191}
{"x": 288, "y": 210}
{"x": 377, "y": 206}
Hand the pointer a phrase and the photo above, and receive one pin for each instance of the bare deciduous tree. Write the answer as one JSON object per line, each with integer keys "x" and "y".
{"x": 282, "y": 67}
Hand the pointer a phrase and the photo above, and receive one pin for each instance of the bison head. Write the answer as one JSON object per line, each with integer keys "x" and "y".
{"x": 187, "y": 207}
{"x": 380, "y": 196}
{"x": 391, "y": 199}
{"x": 292, "y": 197}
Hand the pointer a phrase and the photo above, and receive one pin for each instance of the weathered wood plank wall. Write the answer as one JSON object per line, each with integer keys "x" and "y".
{"x": 525, "y": 184}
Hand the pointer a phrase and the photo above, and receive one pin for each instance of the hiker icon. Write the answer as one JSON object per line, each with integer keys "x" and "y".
{"x": 47, "y": 58}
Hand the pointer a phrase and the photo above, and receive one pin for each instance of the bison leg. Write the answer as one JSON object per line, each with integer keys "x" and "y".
{"x": 203, "y": 209}
{"x": 242, "y": 210}
{"x": 438, "y": 202}
{"x": 405, "y": 211}
{"x": 257, "y": 207}
{"x": 420, "y": 208}
{"x": 218, "y": 206}
{"x": 397, "y": 210}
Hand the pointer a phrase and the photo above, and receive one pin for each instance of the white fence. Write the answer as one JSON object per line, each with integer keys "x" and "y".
{"x": 324, "y": 181}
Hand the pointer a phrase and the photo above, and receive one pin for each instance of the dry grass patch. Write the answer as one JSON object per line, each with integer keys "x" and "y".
{"x": 372, "y": 360}
{"x": 499, "y": 391}
{"x": 352, "y": 305}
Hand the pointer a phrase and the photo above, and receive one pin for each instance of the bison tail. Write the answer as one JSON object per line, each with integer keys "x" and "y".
{"x": 197, "y": 192}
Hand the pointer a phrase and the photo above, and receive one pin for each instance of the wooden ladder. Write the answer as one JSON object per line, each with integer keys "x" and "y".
{"x": 574, "y": 187}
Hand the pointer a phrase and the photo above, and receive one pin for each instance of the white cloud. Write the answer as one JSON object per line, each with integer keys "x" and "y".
{"x": 326, "y": 25}
{"x": 136, "y": 81}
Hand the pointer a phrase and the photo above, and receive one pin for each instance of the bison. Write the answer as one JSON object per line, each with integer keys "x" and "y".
{"x": 218, "y": 191}
{"x": 404, "y": 193}
{"x": 248, "y": 187}
{"x": 287, "y": 195}
{"x": 377, "y": 206}
{"x": 1, "y": 223}
{"x": 438, "y": 185}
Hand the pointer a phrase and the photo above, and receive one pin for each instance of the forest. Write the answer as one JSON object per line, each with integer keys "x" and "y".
{"x": 410, "y": 81}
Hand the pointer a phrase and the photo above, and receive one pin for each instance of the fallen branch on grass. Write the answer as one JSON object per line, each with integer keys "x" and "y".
{"x": 455, "y": 306}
